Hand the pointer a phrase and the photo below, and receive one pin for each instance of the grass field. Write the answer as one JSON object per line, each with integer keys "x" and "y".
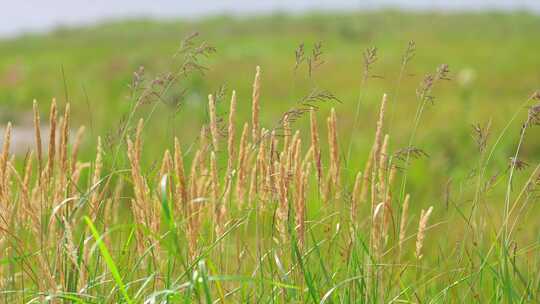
{"x": 160, "y": 210}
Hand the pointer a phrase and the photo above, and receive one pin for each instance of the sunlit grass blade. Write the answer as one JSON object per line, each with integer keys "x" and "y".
{"x": 108, "y": 260}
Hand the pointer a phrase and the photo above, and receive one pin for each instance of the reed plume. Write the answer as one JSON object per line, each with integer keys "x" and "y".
{"x": 231, "y": 134}
{"x": 140, "y": 189}
{"x": 76, "y": 147}
{"x": 28, "y": 173}
{"x": 242, "y": 166}
{"x": 383, "y": 162}
{"x": 64, "y": 138}
{"x": 377, "y": 145}
{"x": 37, "y": 135}
{"x": 181, "y": 185}
{"x": 300, "y": 212}
{"x": 355, "y": 198}
{"x": 315, "y": 145}
{"x": 403, "y": 223}
{"x": 255, "y": 125}
{"x": 213, "y": 121}
{"x": 261, "y": 162}
{"x": 376, "y": 232}
{"x": 96, "y": 179}
{"x": 4, "y": 159}
{"x": 422, "y": 225}
{"x": 138, "y": 138}
{"x": 366, "y": 178}
{"x": 282, "y": 211}
{"x": 193, "y": 206}
{"x": 334, "y": 151}
{"x": 218, "y": 205}
{"x": 252, "y": 192}
{"x": 63, "y": 150}
{"x": 52, "y": 140}
{"x": 166, "y": 168}
{"x": 286, "y": 133}
{"x": 230, "y": 156}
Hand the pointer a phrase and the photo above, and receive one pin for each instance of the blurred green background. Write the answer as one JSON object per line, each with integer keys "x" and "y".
{"x": 493, "y": 59}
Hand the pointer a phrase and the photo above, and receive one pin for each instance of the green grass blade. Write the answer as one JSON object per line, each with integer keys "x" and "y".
{"x": 108, "y": 259}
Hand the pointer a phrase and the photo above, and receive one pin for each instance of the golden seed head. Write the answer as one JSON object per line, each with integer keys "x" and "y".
{"x": 256, "y": 106}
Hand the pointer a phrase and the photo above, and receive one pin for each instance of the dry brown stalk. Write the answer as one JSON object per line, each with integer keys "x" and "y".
{"x": 71, "y": 248}
{"x": 94, "y": 197}
{"x": 286, "y": 133}
{"x": 383, "y": 166}
{"x": 37, "y": 134}
{"x": 75, "y": 176}
{"x": 333, "y": 144}
{"x": 166, "y": 169}
{"x": 31, "y": 210}
{"x": 308, "y": 156}
{"x": 269, "y": 179}
{"x": 230, "y": 155}
{"x": 138, "y": 138}
{"x": 96, "y": 179}
{"x": 26, "y": 211}
{"x": 28, "y": 171}
{"x": 221, "y": 212}
{"x": 4, "y": 158}
{"x": 76, "y": 147}
{"x": 301, "y": 205}
{"x": 242, "y": 164}
{"x": 252, "y": 186}
{"x": 8, "y": 183}
{"x": 283, "y": 205}
{"x": 193, "y": 205}
{"x": 139, "y": 189}
{"x": 391, "y": 180}
{"x": 378, "y": 131}
{"x": 251, "y": 162}
{"x": 422, "y": 225}
{"x": 376, "y": 232}
{"x": 261, "y": 163}
{"x": 273, "y": 147}
{"x": 181, "y": 185}
{"x": 231, "y": 135}
{"x": 166, "y": 164}
{"x": 256, "y": 106}
{"x": 389, "y": 211}
{"x": 63, "y": 157}
{"x": 24, "y": 191}
{"x": 227, "y": 193}
{"x": 203, "y": 144}
{"x": 297, "y": 163}
{"x": 327, "y": 188}
{"x": 218, "y": 206}
{"x": 52, "y": 140}
{"x": 213, "y": 121}
{"x": 64, "y": 138}
{"x": 204, "y": 185}
{"x": 291, "y": 157}
{"x": 377, "y": 151}
{"x": 355, "y": 198}
{"x": 403, "y": 223}
{"x": 214, "y": 191}
{"x": 315, "y": 144}
{"x": 116, "y": 198}
{"x": 365, "y": 180}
